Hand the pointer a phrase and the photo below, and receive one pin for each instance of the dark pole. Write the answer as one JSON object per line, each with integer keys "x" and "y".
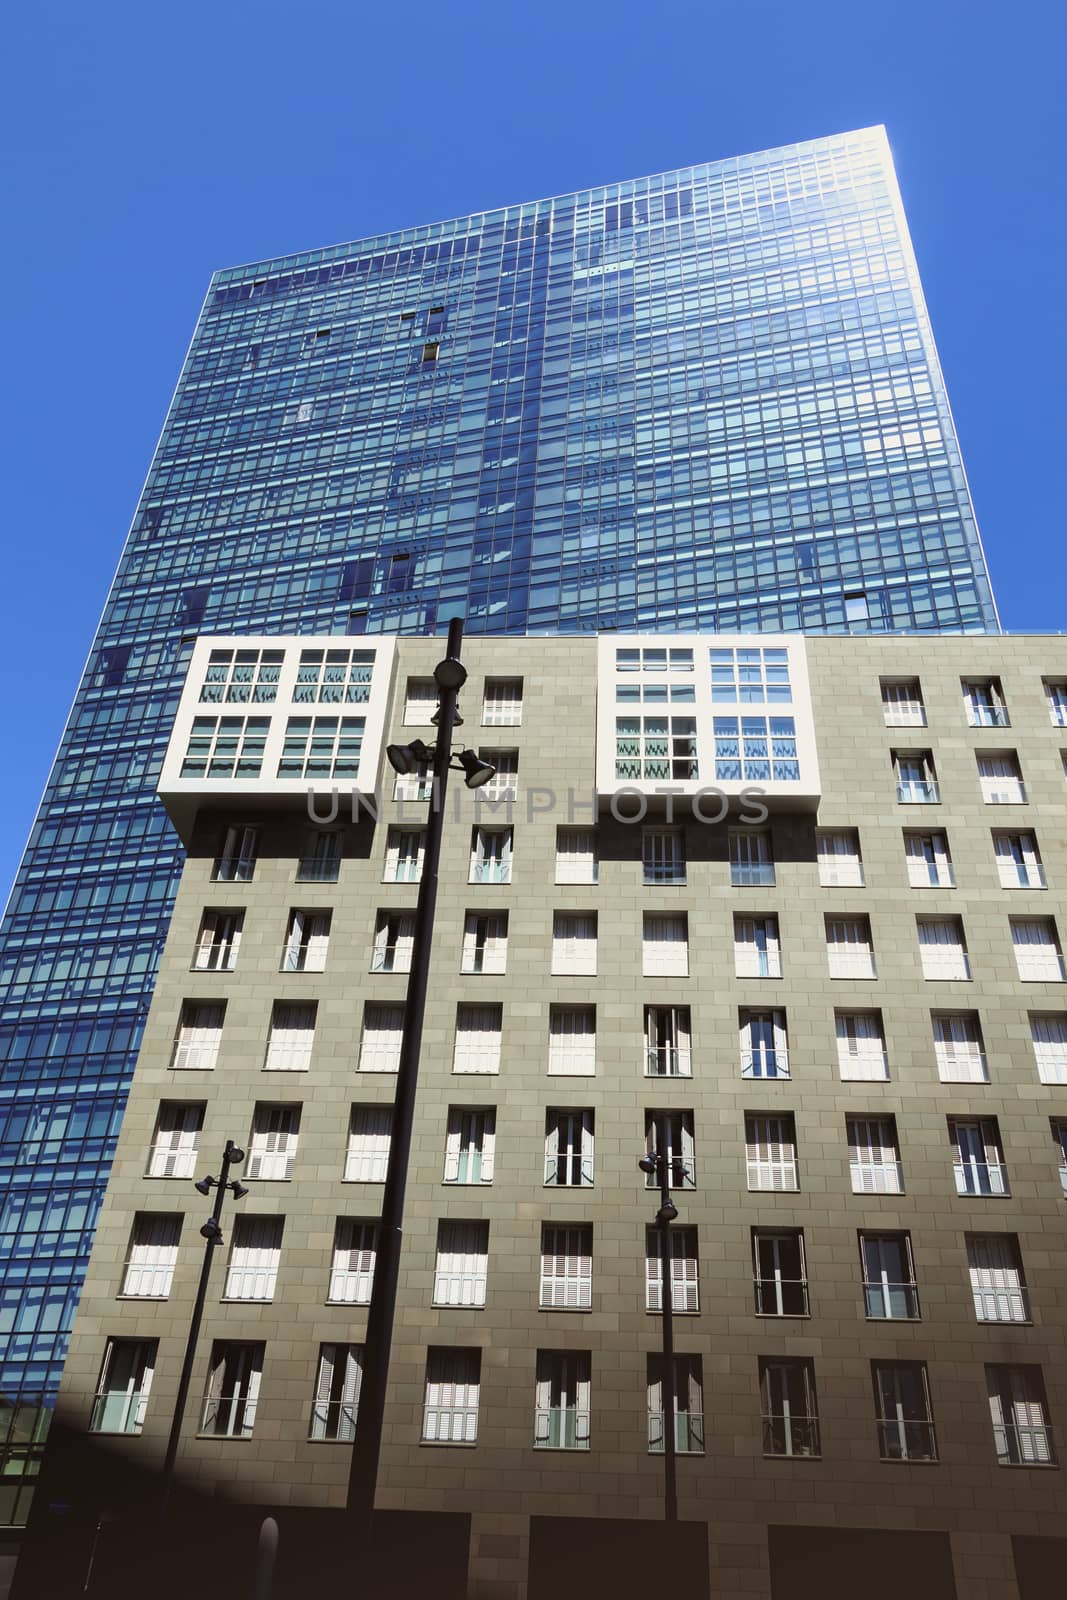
{"x": 663, "y": 1223}
{"x": 370, "y": 1413}
{"x": 212, "y": 1238}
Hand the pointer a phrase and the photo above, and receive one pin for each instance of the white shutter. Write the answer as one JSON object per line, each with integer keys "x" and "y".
{"x": 275, "y": 1134}
{"x": 199, "y": 1035}
{"x": 354, "y": 1252}
{"x": 153, "y": 1256}
{"x": 873, "y": 1160}
{"x": 452, "y": 1392}
{"x": 383, "y": 1028}
{"x": 567, "y": 1268}
{"x": 839, "y": 859}
{"x": 370, "y": 1131}
{"x": 1037, "y": 953}
{"x": 574, "y": 943}
{"x": 996, "y": 1280}
{"x": 665, "y": 945}
{"x": 860, "y": 1046}
{"x": 1050, "y": 1047}
{"x": 941, "y": 948}
{"x": 478, "y": 1041}
{"x": 488, "y": 1131}
{"x": 462, "y": 1264}
{"x": 174, "y": 1147}
{"x": 292, "y": 1031}
{"x": 254, "y": 1257}
{"x": 958, "y": 1048}
{"x": 576, "y": 855}
{"x": 572, "y": 1041}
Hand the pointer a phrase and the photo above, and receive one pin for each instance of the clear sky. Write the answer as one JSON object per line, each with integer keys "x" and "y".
{"x": 148, "y": 144}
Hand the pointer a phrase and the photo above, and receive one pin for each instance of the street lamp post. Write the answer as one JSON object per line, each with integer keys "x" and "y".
{"x": 664, "y": 1168}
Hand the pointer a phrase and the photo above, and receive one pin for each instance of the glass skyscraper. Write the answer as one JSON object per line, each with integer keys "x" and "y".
{"x": 705, "y": 400}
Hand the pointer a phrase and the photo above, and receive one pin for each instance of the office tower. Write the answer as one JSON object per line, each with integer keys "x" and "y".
{"x": 707, "y": 400}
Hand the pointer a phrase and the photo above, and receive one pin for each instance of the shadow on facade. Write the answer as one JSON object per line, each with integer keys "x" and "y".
{"x": 582, "y": 1558}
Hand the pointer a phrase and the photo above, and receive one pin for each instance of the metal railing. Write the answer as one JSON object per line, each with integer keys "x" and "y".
{"x": 1022, "y": 1444}
{"x": 790, "y": 1435}
{"x": 890, "y": 1302}
{"x": 314, "y": 869}
{"x": 561, "y": 1428}
{"x": 233, "y": 869}
{"x": 334, "y": 1419}
{"x": 781, "y": 1297}
{"x": 902, "y": 1440}
{"x": 688, "y": 1432}
{"x": 764, "y": 1064}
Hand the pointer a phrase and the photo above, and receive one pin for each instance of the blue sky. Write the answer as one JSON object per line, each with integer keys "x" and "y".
{"x": 148, "y": 145}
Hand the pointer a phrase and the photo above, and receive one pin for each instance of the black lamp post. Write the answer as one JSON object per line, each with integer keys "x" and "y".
{"x": 664, "y": 1169}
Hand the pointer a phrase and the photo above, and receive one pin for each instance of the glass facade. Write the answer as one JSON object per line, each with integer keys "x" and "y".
{"x": 707, "y": 400}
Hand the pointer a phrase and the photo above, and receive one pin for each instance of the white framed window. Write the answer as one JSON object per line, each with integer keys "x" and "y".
{"x": 764, "y": 1043}
{"x": 320, "y": 861}
{"x": 218, "y": 941}
{"x": 273, "y": 1144}
{"x": 665, "y": 944}
{"x": 1001, "y": 778}
{"x": 355, "y": 1249}
{"x": 890, "y": 1293}
{"x": 658, "y": 660}
{"x": 755, "y": 749}
{"x": 663, "y": 855}
{"x": 370, "y": 1131}
{"x": 404, "y": 852}
{"x": 574, "y": 943}
{"x": 450, "y": 1409}
{"x": 292, "y": 1034}
{"x": 840, "y": 862}
{"x": 470, "y": 1144}
{"x": 502, "y": 703}
{"x": 929, "y": 863}
{"x": 566, "y": 1267}
{"x": 685, "y": 1270}
{"x": 849, "y": 948}
{"x": 780, "y": 1275}
{"x": 485, "y": 942}
{"x": 904, "y": 1419}
{"x": 1049, "y": 1034}
{"x": 978, "y": 1156}
{"x": 1056, "y": 696}
{"x": 576, "y": 855}
{"x": 394, "y": 934}
{"x": 479, "y": 1031}
{"x": 505, "y": 784}
{"x": 226, "y": 747}
{"x": 670, "y": 1133}
{"x": 252, "y": 1270}
{"x": 307, "y": 941}
{"x": 334, "y": 677}
{"x": 902, "y": 703}
{"x": 338, "y": 1381}
{"x": 688, "y": 1404}
{"x": 751, "y": 859}
{"x": 569, "y": 1148}
{"x": 462, "y": 1264}
{"x": 414, "y": 785}
{"x": 959, "y": 1049}
{"x": 421, "y": 697}
{"x": 668, "y": 1042}
{"x": 757, "y": 950}
{"x": 983, "y": 700}
{"x": 491, "y": 851}
{"x": 561, "y": 1400}
{"x": 236, "y": 860}
{"x": 790, "y": 1412}
{"x": 943, "y": 949}
{"x": 874, "y": 1155}
{"x": 196, "y": 1044}
{"x": 1018, "y": 1410}
{"x": 1018, "y": 862}
{"x": 861, "y": 1051}
{"x": 123, "y": 1387}
{"x": 751, "y": 675}
{"x": 771, "y": 1152}
{"x": 321, "y": 747}
{"x": 916, "y": 778}
{"x": 995, "y": 1268}
{"x": 383, "y": 1030}
{"x": 1058, "y": 1128}
{"x": 174, "y": 1142}
{"x": 234, "y": 1373}
{"x": 656, "y": 747}
{"x": 572, "y": 1041}
{"x": 1037, "y": 949}
{"x": 152, "y": 1256}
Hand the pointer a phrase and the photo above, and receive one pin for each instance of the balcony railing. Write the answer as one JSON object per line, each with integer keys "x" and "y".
{"x": 781, "y": 1297}
{"x": 668, "y": 1061}
{"x": 118, "y": 1411}
{"x": 764, "y": 1064}
{"x": 981, "y": 1177}
{"x": 918, "y": 792}
{"x": 903, "y": 1440}
{"x": 752, "y": 874}
{"x": 688, "y": 1432}
{"x": 1002, "y": 1305}
{"x": 1021, "y": 1444}
{"x": 1003, "y": 791}
{"x": 982, "y": 716}
{"x": 790, "y": 1435}
{"x": 335, "y": 1419}
{"x": 314, "y": 869}
{"x": 931, "y": 875}
{"x": 233, "y": 869}
{"x": 1022, "y": 875}
{"x": 891, "y": 1302}
{"x": 561, "y": 1428}
{"x": 876, "y": 1177}
{"x": 391, "y": 958}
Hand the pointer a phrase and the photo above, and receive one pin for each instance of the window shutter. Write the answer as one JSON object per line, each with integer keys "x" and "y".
{"x": 488, "y": 1129}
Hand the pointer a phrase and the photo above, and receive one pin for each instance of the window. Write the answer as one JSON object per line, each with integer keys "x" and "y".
{"x": 478, "y": 1039}
{"x": 485, "y": 942}
{"x": 568, "y": 1148}
{"x": 656, "y": 747}
{"x": 685, "y": 1270}
{"x": 750, "y": 676}
{"x": 670, "y": 1133}
{"x": 470, "y": 1144}
{"x": 1001, "y": 778}
{"x": 984, "y": 702}
{"x": 1058, "y": 1126}
{"x": 450, "y": 1412}
{"x": 321, "y": 860}
{"x": 234, "y": 1373}
{"x": 393, "y": 936}
{"x": 1049, "y": 1034}
{"x": 764, "y": 1044}
{"x": 849, "y": 948}
{"x": 152, "y": 1256}
{"x": 226, "y": 747}
{"x": 218, "y": 941}
{"x": 780, "y": 1274}
{"x": 902, "y": 703}
{"x": 574, "y": 943}
{"x": 663, "y": 855}
{"x": 757, "y": 951}
{"x": 1056, "y": 695}
{"x": 889, "y": 1289}
{"x": 272, "y": 1147}
{"x": 861, "y": 1052}
{"x": 790, "y": 1412}
{"x": 124, "y": 1385}
{"x": 420, "y": 700}
{"x": 173, "y": 1153}
{"x": 857, "y": 608}
{"x": 874, "y": 1155}
{"x": 491, "y": 855}
{"x": 943, "y": 949}
{"x": 978, "y": 1158}
{"x": 572, "y": 1041}
{"x": 337, "y": 1385}
{"x": 905, "y": 1422}
{"x": 1022, "y": 1431}
{"x": 576, "y": 857}
{"x": 929, "y": 862}
{"x": 236, "y": 860}
{"x": 751, "y": 859}
{"x": 840, "y": 864}
{"x": 654, "y": 659}
{"x": 252, "y": 1272}
{"x": 337, "y": 676}
{"x": 1037, "y": 949}
{"x": 462, "y": 1264}
{"x": 321, "y": 747}
{"x": 688, "y": 1404}
{"x": 566, "y": 1267}
{"x": 665, "y": 944}
{"x": 240, "y": 676}
{"x": 959, "y": 1049}
{"x": 561, "y": 1400}
{"x": 916, "y": 779}
{"x": 996, "y": 1273}
{"x": 355, "y": 1247}
{"x": 502, "y": 703}
{"x": 414, "y": 785}
{"x": 307, "y": 940}
{"x": 292, "y": 1032}
{"x": 504, "y": 785}
{"x": 404, "y": 853}
{"x": 668, "y": 1042}
{"x": 383, "y": 1028}
{"x": 430, "y": 350}
{"x": 370, "y": 1130}
{"x": 1018, "y": 862}
{"x": 199, "y": 1036}
{"x": 771, "y": 1152}
{"x": 755, "y": 750}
